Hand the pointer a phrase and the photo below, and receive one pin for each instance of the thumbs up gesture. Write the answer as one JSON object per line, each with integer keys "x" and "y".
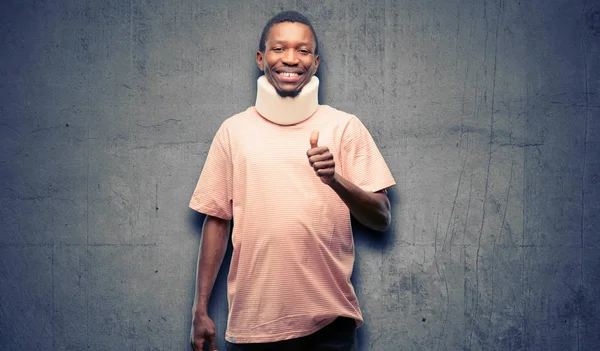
{"x": 321, "y": 159}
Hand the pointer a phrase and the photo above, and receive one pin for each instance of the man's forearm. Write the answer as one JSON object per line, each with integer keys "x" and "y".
{"x": 370, "y": 209}
{"x": 215, "y": 234}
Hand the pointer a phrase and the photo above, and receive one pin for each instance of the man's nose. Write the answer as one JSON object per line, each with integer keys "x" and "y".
{"x": 290, "y": 57}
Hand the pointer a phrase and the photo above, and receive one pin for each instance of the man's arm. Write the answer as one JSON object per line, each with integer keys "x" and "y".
{"x": 215, "y": 234}
{"x": 370, "y": 209}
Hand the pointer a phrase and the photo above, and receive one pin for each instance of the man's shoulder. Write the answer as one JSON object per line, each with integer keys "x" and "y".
{"x": 335, "y": 113}
{"x": 239, "y": 116}
{"x": 238, "y": 120}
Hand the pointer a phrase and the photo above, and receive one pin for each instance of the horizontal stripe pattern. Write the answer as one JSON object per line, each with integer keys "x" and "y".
{"x": 293, "y": 247}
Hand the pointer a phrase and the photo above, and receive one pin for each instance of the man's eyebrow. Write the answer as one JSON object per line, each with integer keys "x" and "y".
{"x": 285, "y": 42}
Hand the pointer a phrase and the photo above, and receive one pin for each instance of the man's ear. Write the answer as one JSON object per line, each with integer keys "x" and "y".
{"x": 260, "y": 60}
{"x": 317, "y": 61}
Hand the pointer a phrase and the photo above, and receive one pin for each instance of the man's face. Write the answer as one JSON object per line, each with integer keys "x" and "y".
{"x": 289, "y": 61}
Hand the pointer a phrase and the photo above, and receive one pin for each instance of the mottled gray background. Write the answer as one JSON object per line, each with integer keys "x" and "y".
{"x": 487, "y": 113}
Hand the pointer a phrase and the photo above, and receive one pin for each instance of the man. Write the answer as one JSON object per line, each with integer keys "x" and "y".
{"x": 291, "y": 172}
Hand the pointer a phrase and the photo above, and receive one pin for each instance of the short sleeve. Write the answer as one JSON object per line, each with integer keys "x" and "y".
{"x": 362, "y": 162}
{"x": 213, "y": 193}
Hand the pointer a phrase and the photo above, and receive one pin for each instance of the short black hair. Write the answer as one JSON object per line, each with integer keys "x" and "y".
{"x": 286, "y": 16}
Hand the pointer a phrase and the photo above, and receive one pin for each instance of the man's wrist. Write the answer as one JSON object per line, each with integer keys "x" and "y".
{"x": 199, "y": 310}
{"x": 334, "y": 181}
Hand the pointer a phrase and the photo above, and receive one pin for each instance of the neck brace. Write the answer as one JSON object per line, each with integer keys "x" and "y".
{"x": 286, "y": 110}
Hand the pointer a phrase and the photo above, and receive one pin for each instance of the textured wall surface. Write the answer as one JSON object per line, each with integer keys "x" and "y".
{"x": 487, "y": 112}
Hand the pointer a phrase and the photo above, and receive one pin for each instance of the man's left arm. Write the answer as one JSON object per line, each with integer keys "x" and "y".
{"x": 372, "y": 209}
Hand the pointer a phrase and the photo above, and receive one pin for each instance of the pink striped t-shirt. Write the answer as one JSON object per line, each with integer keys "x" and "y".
{"x": 293, "y": 250}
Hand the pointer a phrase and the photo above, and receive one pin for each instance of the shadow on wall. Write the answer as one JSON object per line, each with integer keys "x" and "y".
{"x": 374, "y": 241}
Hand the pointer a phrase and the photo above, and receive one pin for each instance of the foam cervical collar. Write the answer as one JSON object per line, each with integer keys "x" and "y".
{"x": 286, "y": 110}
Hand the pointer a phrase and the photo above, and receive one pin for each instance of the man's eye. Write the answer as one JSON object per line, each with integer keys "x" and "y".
{"x": 278, "y": 49}
{"x": 304, "y": 51}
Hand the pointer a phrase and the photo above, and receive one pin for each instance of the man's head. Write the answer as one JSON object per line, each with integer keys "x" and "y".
{"x": 288, "y": 52}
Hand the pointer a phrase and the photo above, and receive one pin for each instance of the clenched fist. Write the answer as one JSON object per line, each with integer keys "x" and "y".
{"x": 321, "y": 159}
{"x": 203, "y": 330}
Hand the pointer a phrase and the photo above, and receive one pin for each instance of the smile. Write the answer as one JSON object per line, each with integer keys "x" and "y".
{"x": 289, "y": 77}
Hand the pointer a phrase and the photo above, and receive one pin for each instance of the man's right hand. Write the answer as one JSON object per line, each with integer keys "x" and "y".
{"x": 203, "y": 330}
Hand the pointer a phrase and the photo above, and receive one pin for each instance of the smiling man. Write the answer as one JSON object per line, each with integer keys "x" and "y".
{"x": 291, "y": 172}
{"x": 291, "y": 60}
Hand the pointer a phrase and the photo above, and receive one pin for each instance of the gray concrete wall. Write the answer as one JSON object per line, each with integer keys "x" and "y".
{"x": 487, "y": 112}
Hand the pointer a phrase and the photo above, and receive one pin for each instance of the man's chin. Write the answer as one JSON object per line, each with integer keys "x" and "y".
{"x": 291, "y": 94}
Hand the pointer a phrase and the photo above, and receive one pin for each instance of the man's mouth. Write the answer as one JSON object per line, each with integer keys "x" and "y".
{"x": 289, "y": 77}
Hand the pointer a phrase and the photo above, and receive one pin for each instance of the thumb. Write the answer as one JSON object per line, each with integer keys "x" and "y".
{"x": 314, "y": 138}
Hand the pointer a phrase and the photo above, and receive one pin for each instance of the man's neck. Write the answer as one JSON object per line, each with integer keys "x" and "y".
{"x": 286, "y": 110}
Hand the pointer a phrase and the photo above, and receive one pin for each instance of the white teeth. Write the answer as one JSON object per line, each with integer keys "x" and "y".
{"x": 289, "y": 74}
